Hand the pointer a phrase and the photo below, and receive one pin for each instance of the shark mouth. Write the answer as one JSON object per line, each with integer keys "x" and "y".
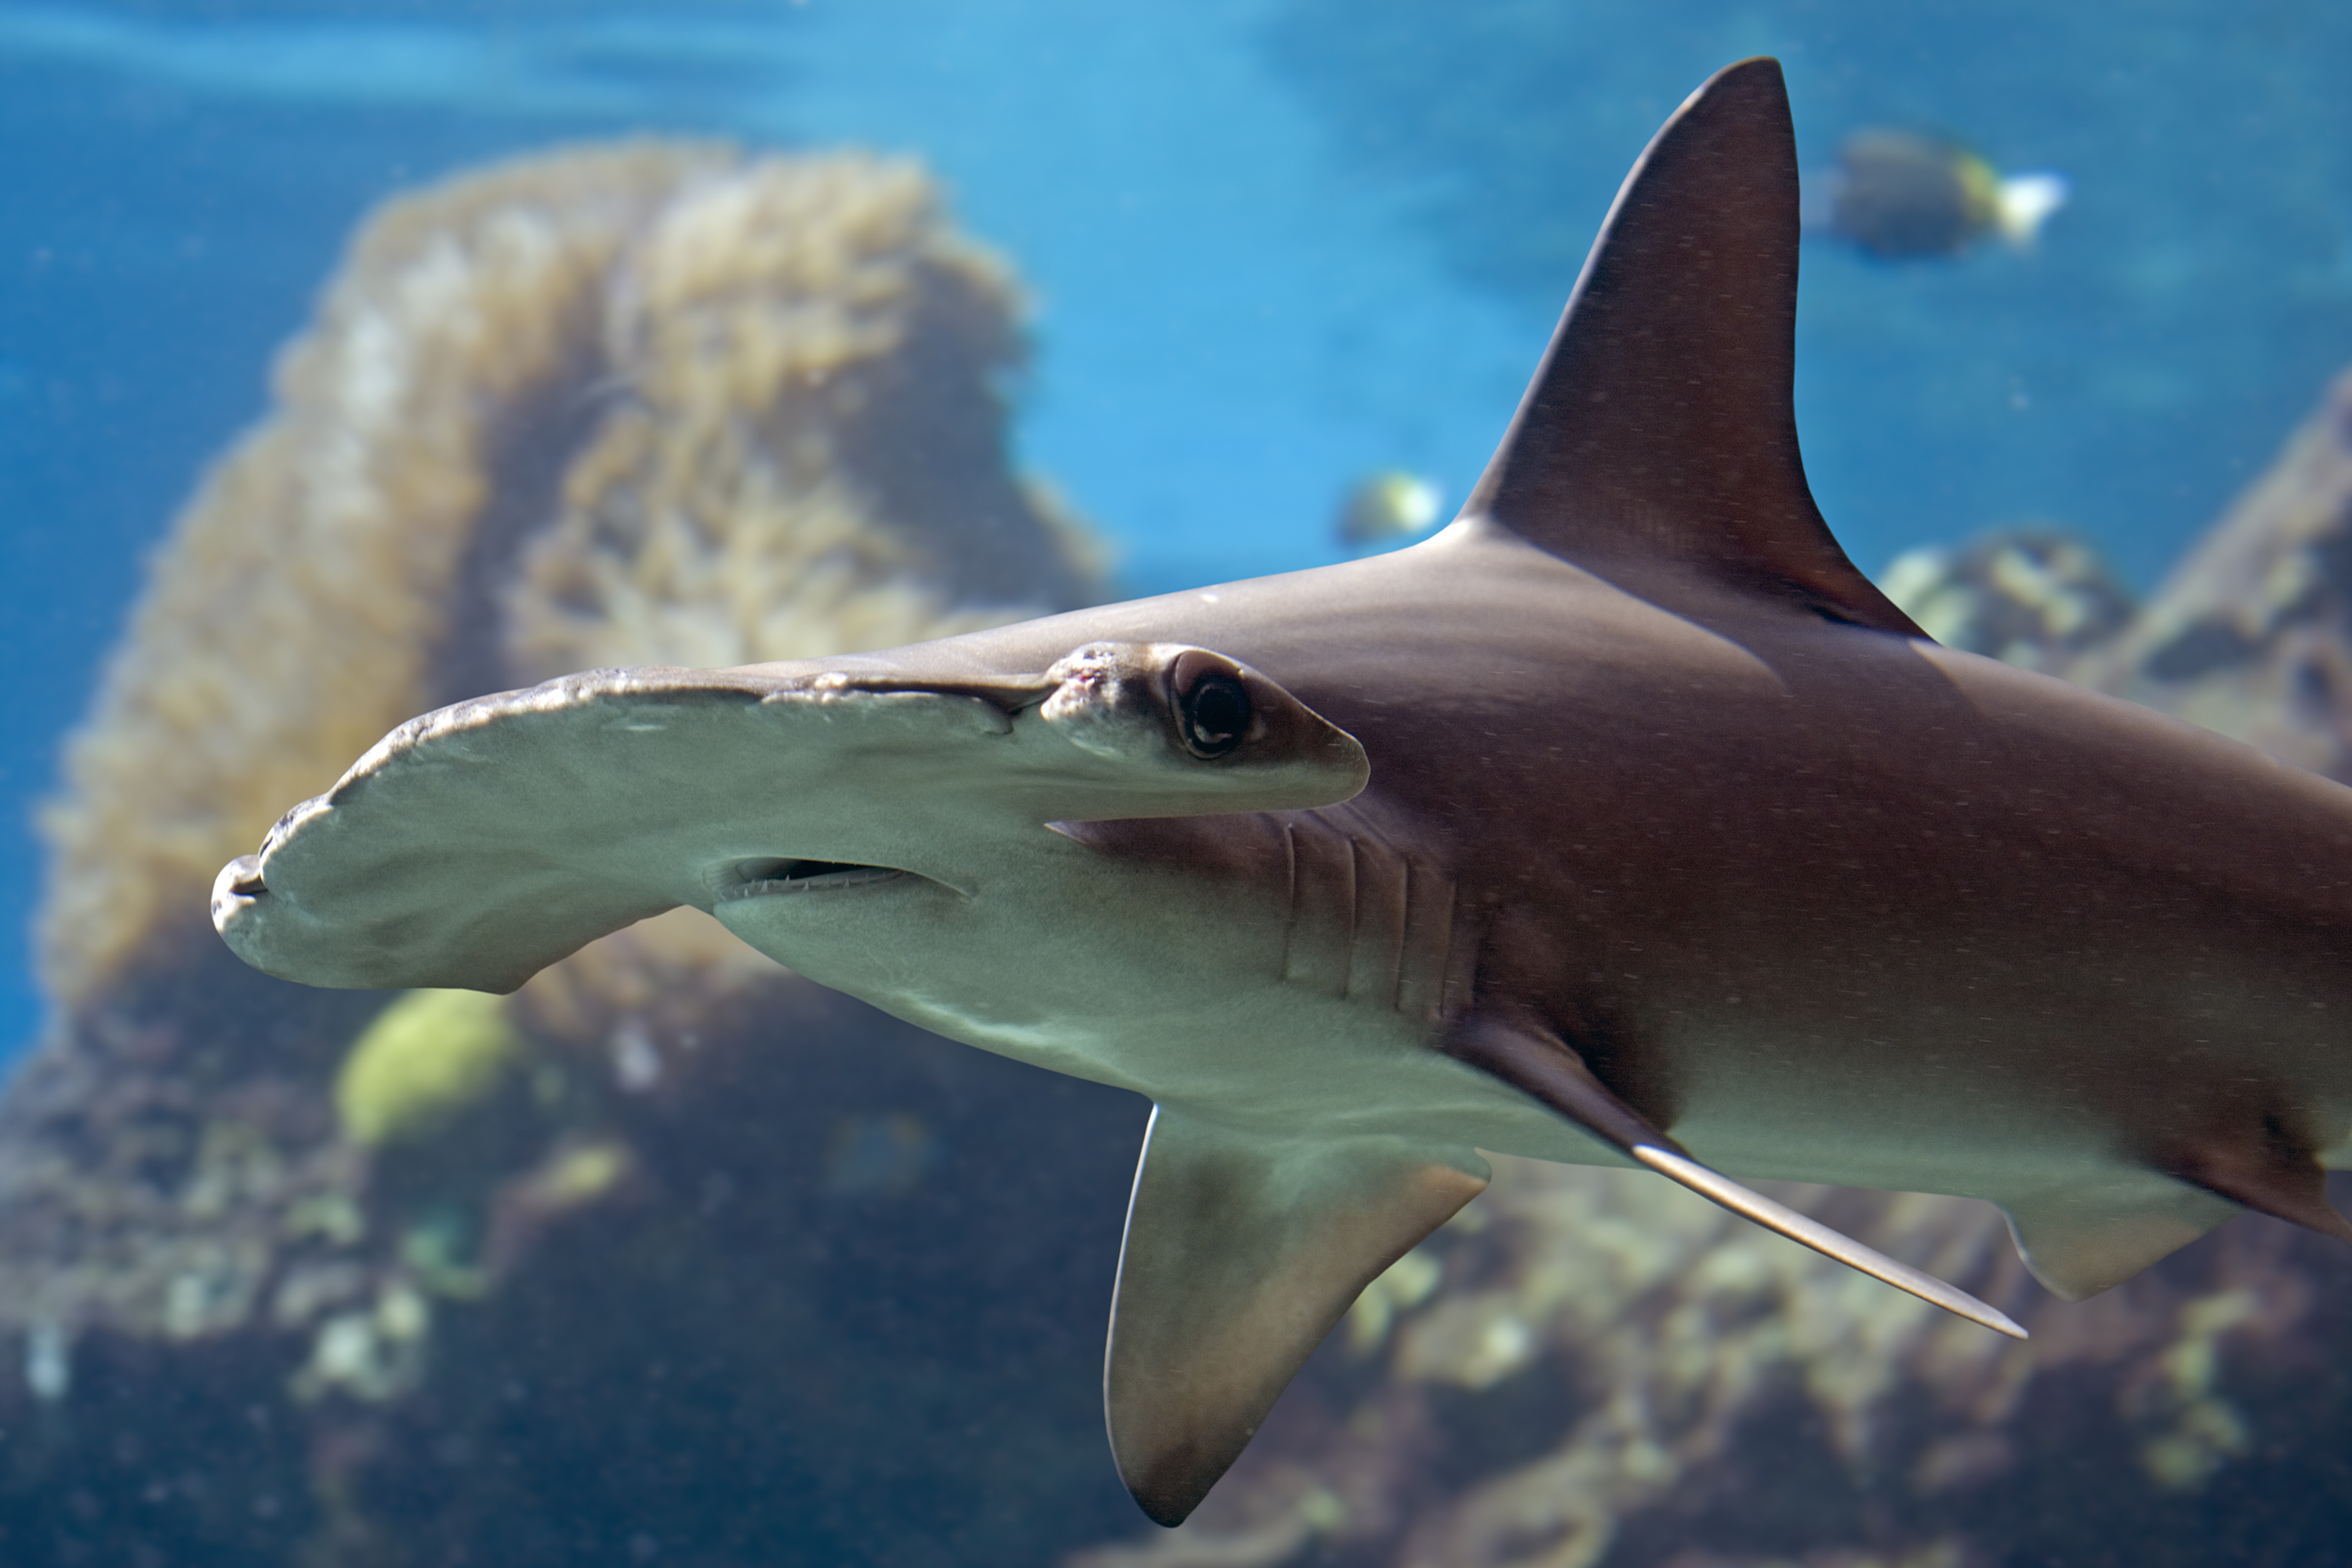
{"x": 769, "y": 878}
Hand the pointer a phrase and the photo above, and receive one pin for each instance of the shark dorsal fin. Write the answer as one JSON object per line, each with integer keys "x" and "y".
{"x": 1658, "y": 439}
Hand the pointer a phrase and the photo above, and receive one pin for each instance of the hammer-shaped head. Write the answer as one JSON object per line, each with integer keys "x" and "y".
{"x": 478, "y": 844}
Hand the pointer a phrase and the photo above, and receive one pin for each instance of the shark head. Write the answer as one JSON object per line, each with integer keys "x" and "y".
{"x": 827, "y": 806}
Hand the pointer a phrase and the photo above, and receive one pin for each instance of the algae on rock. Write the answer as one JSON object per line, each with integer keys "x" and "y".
{"x": 423, "y": 1063}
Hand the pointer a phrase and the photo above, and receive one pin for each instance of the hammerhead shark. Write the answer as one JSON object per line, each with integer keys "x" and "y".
{"x": 1622, "y": 822}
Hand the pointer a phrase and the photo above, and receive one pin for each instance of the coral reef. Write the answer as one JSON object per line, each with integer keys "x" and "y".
{"x": 300, "y": 605}
{"x": 303, "y": 1277}
{"x": 2039, "y": 598}
{"x": 650, "y": 404}
{"x": 1591, "y": 1369}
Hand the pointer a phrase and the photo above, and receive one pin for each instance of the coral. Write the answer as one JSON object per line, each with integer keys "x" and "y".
{"x": 2039, "y": 598}
{"x": 426, "y": 1061}
{"x": 799, "y": 367}
{"x": 295, "y": 613}
{"x": 1606, "y": 1361}
{"x": 648, "y": 404}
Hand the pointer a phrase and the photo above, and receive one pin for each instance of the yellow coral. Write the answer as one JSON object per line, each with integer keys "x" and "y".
{"x": 808, "y": 355}
{"x": 423, "y": 1064}
{"x": 293, "y": 614}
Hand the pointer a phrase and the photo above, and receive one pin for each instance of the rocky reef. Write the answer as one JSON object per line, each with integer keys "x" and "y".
{"x": 1591, "y": 1369}
{"x": 672, "y": 1255}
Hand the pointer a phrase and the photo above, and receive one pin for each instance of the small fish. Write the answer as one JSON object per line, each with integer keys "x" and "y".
{"x": 1904, "y": 194}
{"x": 1387, "y": 508}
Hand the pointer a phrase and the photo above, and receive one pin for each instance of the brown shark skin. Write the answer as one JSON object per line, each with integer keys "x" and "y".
{"x": 1777, "y": 872}
{"x": 1647, "y": 770}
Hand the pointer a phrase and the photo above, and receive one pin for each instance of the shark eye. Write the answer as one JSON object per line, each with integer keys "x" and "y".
{"x": 1214, "y": 714}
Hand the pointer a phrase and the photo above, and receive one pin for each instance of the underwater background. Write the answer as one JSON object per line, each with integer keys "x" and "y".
{"x": 622, "y": 1282}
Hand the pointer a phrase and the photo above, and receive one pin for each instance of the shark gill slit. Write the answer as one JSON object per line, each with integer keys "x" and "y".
{"x": 1354, "y": 895}
{"x": 1376, "y": 957}
{"x": 1459, "y": 986}
{"x": 1428, "y": 937}
{"x": 1317, "y": 946}
{"x": 1290, "y": 919}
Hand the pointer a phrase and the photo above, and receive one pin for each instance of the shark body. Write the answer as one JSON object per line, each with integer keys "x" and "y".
{"x": 1622, "y": 822}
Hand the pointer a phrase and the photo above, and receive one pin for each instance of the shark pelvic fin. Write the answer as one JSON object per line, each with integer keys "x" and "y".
{"x": 1541, "y": 1065}
{"x": 2079, "y": 1240}
{"x": 2267, "y": 1174}
{"x": 1241, "y": 1254}
{"x": 1658, "y": 440}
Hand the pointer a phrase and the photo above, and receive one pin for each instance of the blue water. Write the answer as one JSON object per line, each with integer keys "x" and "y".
{"x": 1273, "y": 244}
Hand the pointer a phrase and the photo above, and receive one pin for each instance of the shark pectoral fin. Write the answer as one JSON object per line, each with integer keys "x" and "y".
{"x": 1241, "y": 1254}
{"x": 2080, "y": 1239}
{"x": 1541, "y": 1065}
{"x": 1778, "y": 1216}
